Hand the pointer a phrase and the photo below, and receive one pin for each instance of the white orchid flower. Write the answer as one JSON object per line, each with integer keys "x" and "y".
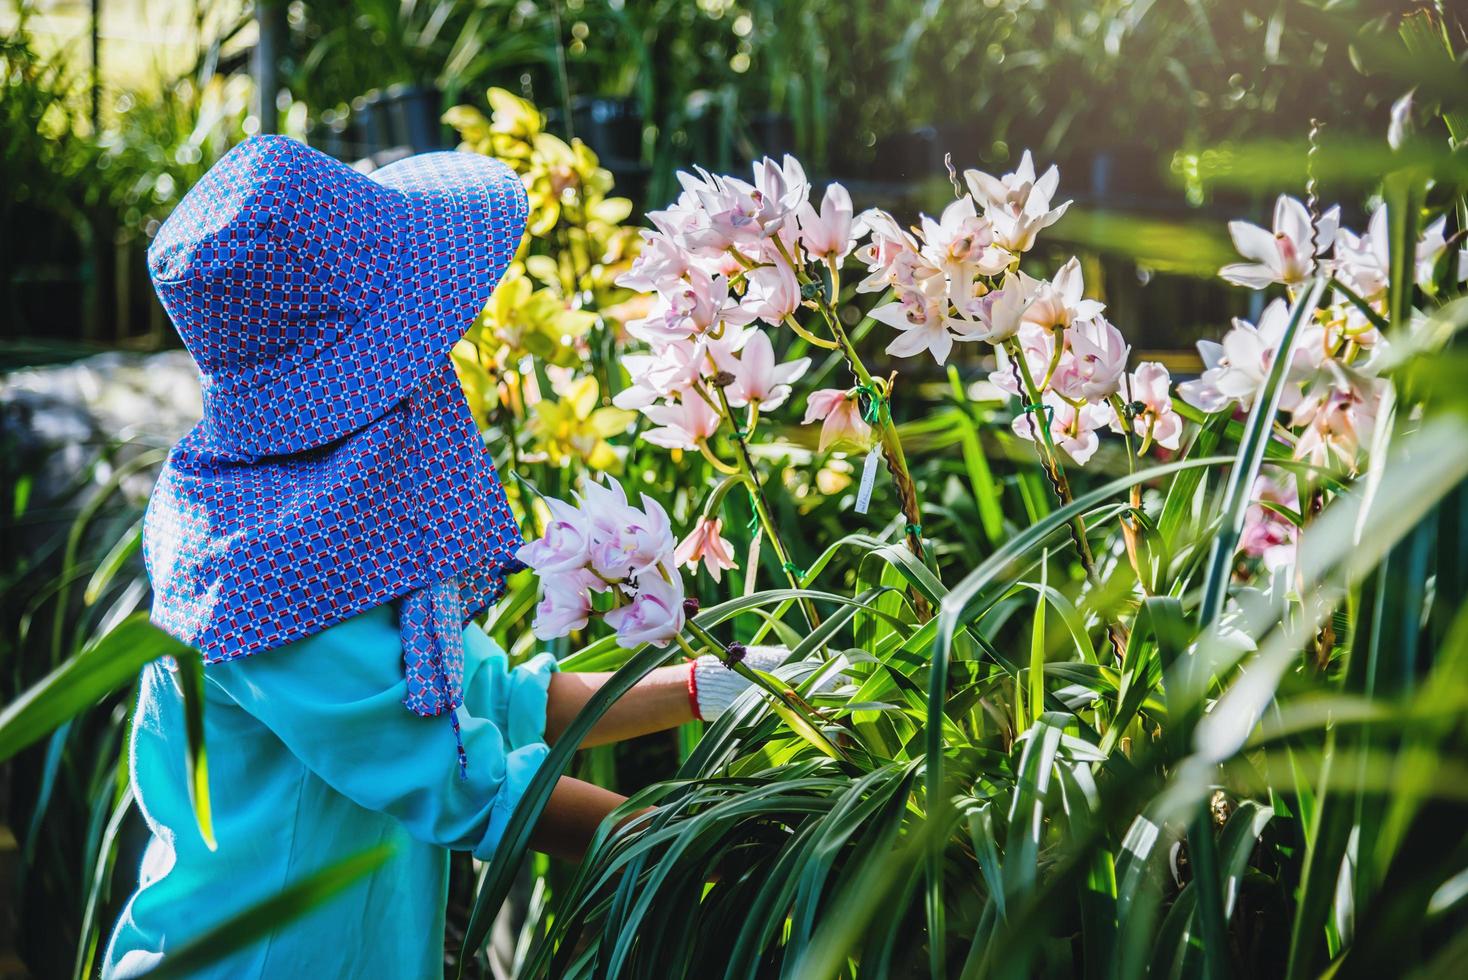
{"x": 827, "y": 234}
{"x": 1017, "y": 204}
{"x": 958, "y": 240}
{"x": 1235, "y": 370}
{"x": 1285, "y": 255}
{"x": 923, "y": 322}
{"x": 1058, "y": 303}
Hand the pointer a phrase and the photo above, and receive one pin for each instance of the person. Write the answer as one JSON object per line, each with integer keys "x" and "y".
{"x": 326, "y": 537}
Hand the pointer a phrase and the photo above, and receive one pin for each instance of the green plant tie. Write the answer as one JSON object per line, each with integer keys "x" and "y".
{"x": 1030, "y": 408}
{"x": 753, "y": 524}
{"x": 876, "y": 406}
{"x": 916, "y": 530}
{"x": 794, "y": 570}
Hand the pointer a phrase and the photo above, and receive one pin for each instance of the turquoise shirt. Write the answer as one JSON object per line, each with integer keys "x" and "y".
{"x": 314, "y": 758}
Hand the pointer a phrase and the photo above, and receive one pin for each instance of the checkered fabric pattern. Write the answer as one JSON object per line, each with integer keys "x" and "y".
{"x": 313, "y": 297}
{"x": 336, "y": 466}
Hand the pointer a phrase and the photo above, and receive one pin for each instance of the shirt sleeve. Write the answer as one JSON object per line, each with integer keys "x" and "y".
{"x": 336, "y": 700}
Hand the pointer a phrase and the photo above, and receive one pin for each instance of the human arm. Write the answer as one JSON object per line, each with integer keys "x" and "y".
{"x": 665, "y": 698}
{"x": 659, "y": 701}
{"x": 335, "y": 700}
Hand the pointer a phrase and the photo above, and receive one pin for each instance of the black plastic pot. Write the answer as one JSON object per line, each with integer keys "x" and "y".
{"x": 401, "y": 118}
{"x": 413, "y": 117}
{"x": 612, "y": 127}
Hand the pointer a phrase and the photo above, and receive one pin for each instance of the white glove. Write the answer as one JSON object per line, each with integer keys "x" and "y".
{"x": 712, "y": 687}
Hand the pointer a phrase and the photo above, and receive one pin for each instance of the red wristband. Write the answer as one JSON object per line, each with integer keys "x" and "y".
{"x": 693, "y": 689}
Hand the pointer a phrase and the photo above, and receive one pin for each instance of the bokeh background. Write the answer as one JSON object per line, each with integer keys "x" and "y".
{"x": 113, "y": 108}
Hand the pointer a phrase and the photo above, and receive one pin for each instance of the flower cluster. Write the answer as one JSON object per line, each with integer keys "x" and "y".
{"x": 559, "y": 293}
{"x": 1332, "y": 393}
{"x": 727, "y": 254}
{"x": 1269, "y": 535}
{"x": 957, "y": 279}
{"x": 603, "y": 556}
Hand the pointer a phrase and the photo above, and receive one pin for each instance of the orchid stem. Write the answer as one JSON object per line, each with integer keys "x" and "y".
{"x": 786, "y": 697}
{"x": 807, "y": 336}
{"x": 1130, "y": 525}
{"x": 1055, "y": 473}
{"x": 762, "y": 511}
{"x": 715, "y": 461}
{"x": 891, "y": 451}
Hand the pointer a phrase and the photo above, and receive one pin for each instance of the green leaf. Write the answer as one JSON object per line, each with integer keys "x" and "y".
{"x": 191, "y": 681}
{"x": 289, "y": 904}
{"x": 516, "y": 839}
{"x": 1240, "y": 487}
{"x": 113, "y": 562}
{"x": 1037, "y": 648}
{"x": 101, "y": 667}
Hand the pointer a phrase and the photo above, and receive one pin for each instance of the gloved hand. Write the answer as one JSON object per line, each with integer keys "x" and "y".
{"x": 713, "y": 687}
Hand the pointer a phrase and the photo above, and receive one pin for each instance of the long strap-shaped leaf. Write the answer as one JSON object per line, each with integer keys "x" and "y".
{"x": 101, "y": 667}
{"x": 516, "y": 839}
{"x": 239, "y": 931}
{"x": 1202, "y": 846}
{"x": 1250, "y": 457}
{"x": 953, "y": 614}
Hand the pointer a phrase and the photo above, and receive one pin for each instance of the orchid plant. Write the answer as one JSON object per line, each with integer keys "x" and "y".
{"x": 520, "y": 361}
{"x": 734, "y": 260}
{"x": 1333, "y": 393}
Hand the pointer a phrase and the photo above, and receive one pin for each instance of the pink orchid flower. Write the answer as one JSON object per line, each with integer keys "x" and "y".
{"x": 1151, "y": 387}
{"x": 890, "y": 254}
{"x": 780, "y": 191}
{"x": 625, "y": 541}
{"x": 1340, "y": 417}
{"x": 1093, "y": 366}
{"x": 566, "y": 604}
{"x": 827, "y": 234}
{"x": 682, "y": 424}
{"x": 705, "y": 543}
{"x": 565, "y": 544}
{"x": 1037, "y": 344}
{"x": 757, "y": 378}
{"x": 659, "y": 263}
{"x": 655, "y": 614}
{"x": 1268, "y": 535}
{"x": 773, "y": 293}
{"x": 1059, "y": 302}
{"x": 1073, "y": 429}
{"x": 662, "y": 375}
{"x": 843, "y": 425}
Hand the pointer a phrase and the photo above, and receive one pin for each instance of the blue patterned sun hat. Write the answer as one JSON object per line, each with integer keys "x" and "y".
{"x": 336, "y": 466}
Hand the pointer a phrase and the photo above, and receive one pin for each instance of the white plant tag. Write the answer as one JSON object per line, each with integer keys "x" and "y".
{"x": 868, "y": 477}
